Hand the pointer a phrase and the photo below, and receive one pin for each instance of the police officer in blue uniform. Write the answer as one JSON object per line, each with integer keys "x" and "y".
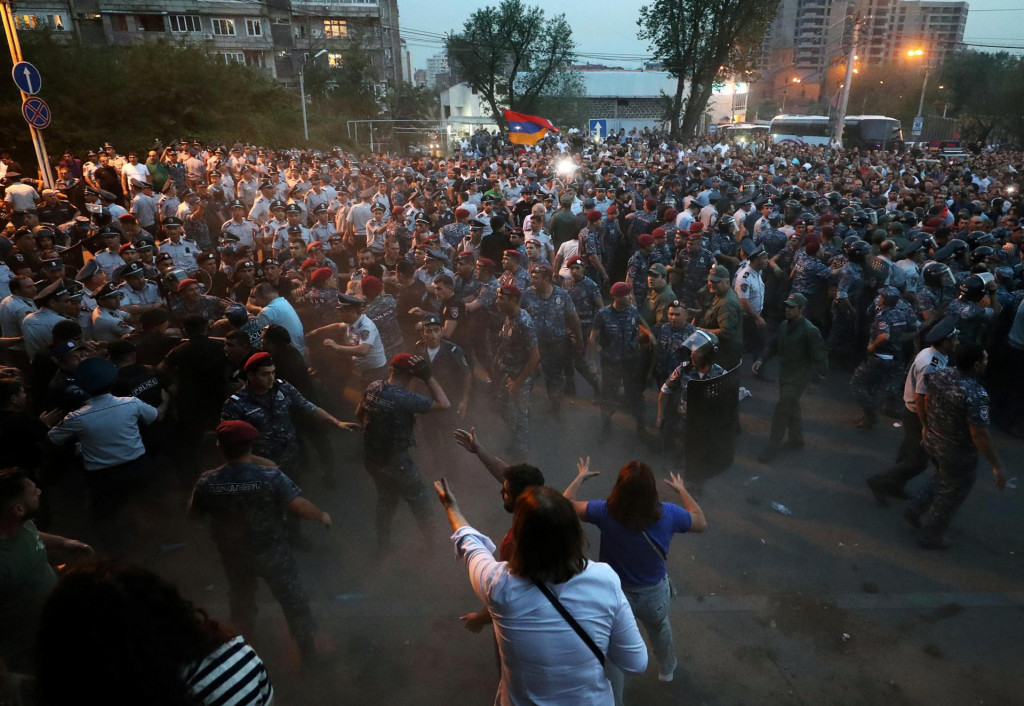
{"x": 246, "y": 501}
{"x": 267, "y": 403}
{"x": 388, "y": 412}
{"x": 956, "y": 431}
{"x": 616, "y": 331}
{"x": 516, "y": 356}
{"x": 670, "y": 351}
{"x": 874, "y": 374}
{"x": 558, "y": 329}
{"x": 586, "y": 297}
{"x": 690, "y": 271}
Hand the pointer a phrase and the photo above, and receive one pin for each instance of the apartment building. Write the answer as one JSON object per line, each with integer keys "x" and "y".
{"x": 276, "y": 36}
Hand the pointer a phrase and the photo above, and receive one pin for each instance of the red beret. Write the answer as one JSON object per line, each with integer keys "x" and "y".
{"x": 128, "y": 218}
{"x": 613, "y": 209}
{"x": 934, "y": 222}
{"x": 186, "y": 283}
{"x": 650, "y": 203}
{"x": 486, "y": 262}
{"x": 645, "y": 239}
{"x": 658, "y": 232}
{"x": 461, "y": 213}
{"x": 314, "y": 245}
{"x": 812, "y": 246}
{"x": 696, "y": 227}
{"x": 310, "y": 262}
{"x": 594, "y": 215}
{"x": 574, "y": 260}
{"x": 371, "y": 286}
{"x": 465, "y": 255}
{"x": 397, "y": 211}
{"x": 828, "y": 230}
{"x": 321, "y": 275}
{"x": 621, "y": 289}
{"x": 541, "y": 269}
{"x": 510, "y": 290}
{"x": 513, "y": 253}
{"x": 671, "y": 214}
{"x": 235, "y": 431}
{"x": 257, "y": 360}
{"x": 402, "y": 361}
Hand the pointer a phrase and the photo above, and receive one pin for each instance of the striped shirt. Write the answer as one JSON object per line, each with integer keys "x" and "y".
{"x": 232, "y": 675}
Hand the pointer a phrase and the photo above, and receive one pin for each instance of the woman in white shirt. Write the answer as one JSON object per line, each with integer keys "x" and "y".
{"x": 543, "y": 659}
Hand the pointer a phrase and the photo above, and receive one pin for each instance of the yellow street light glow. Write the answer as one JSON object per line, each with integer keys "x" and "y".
{"x": 796, "y": 80}
{"x": 915, "y": 52}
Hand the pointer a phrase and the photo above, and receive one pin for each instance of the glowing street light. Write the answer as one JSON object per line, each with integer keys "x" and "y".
{"x": 924, "y": 85}
{"x": 915, "y": 52}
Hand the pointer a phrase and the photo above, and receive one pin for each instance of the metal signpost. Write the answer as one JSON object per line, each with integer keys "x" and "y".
{"x": 26, "y": 77}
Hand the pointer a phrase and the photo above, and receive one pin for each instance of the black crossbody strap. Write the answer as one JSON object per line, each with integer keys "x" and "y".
{"x": 571, "y": 620}
{"x": 656, "y": 547}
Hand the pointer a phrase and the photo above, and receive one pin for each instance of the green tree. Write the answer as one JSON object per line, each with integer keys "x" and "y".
{"x": 701, "y": 42}
{"x": 985, "y": 90}
{"x": 134, "y": 94}
{"x": 512, "y": 55}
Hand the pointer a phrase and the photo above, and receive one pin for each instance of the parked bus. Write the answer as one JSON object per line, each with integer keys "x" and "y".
{"x": 873, "y": 132}
{"x": 744, "y": 133}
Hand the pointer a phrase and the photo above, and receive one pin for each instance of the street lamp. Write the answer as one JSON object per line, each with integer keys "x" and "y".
{"x": 785, "y": 93}
{"x": 302, "y": 90}
{"x": 913, "y": 53}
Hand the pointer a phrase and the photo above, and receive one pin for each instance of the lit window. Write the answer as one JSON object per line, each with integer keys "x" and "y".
{"x": 255, "y": 58}
{"x": 224, "y": 28}
{"x": 335, "y": 29}
{"x": 56, "y": 22}
{"x": 185, "y": 23}
{"x": 26, "y": 21}
{"x": 253, "y": 27}
{"x": 335, "y": 61}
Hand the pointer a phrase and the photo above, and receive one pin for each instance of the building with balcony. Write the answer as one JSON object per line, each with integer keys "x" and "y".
{"x": 273, "y": 35}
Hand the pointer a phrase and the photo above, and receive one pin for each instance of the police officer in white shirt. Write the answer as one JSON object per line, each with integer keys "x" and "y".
{"x": 183, "y": 252}
{"x": 749, "y": 288}
{"x": 109, "y": 259}
{"x": 109, "y": 323}
{"x": 137, "y": 294}
{"x": 363, "y": 342}
{"x": 37, "y": 327}
{"x": 239, "y": 225}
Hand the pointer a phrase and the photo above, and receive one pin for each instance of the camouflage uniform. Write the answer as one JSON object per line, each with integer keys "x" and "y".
{"x": 381, "y": 311}
{"x": 878, "y": 371}
{"x": 671, "y": 352}
{"x": 639, "y": 264}
{"x": 517, "y": 338}
{"x": 675, "y": 385}
{"x": 691, "y": 274}
{"x": 549, "y": 317}
{"x": 956, "y": 401}
{"x": 616, "y": 333}
{"x": 246, "y": 503}
{"x": 844, "y": 336}
{"x": 586, "y": 298}
{"x": 590, "y": 244}
{"x": 270, "y": 413}
{"x": 972, "y": 319}
{"x": 390, "y": 415}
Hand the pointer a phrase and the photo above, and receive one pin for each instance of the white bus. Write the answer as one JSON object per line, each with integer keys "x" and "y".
{"x": 744, "y": 133}
{"x": 875, "y": 132}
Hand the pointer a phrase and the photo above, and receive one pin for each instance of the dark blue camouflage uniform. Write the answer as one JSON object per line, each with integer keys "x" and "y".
{"x": 518, "y": 336}
{"x": 877, "y": 374}
{"x": 246, "y": 504}
{"x": 271, "y": 414}
{"x": 549, "y": 320}
{"x": 691, "y": 275}
{"x": 389, "y": 414}
{"x": 671, "y": 351}
{"x": 616, "y": 333}
{"x": 956, "y": 402}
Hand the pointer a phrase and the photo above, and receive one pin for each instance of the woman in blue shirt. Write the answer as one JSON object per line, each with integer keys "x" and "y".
{"x": 636, "y": 529}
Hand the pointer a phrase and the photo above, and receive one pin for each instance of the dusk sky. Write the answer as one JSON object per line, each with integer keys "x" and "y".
{"x": 608, "y": 27}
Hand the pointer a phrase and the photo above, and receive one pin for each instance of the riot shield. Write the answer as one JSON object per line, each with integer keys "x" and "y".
{"x": 711, "y": 416}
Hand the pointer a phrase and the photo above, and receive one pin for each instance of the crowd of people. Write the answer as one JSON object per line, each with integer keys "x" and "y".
{"x": 256, "y": 299}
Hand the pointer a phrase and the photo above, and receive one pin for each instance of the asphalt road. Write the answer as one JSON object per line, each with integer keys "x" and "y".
{"x": 832, "y": 605}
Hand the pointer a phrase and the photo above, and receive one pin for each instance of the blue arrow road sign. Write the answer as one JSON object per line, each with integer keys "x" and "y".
{"x": 27, "y": 78}
{"x": 36, "y": 112}
{"x": 599, "y": 127}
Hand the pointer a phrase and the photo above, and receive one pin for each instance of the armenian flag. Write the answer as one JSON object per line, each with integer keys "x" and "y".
{"x": 527, "y": 129}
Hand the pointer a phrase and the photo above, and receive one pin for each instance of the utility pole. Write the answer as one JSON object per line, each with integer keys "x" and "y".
{"x": 844, "y": 99}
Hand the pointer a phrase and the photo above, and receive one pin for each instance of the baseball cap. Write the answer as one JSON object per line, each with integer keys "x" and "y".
{"x": 796, "y": 299}
{"x": 658, "y": 269}
{"x": 718, "y": 273}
